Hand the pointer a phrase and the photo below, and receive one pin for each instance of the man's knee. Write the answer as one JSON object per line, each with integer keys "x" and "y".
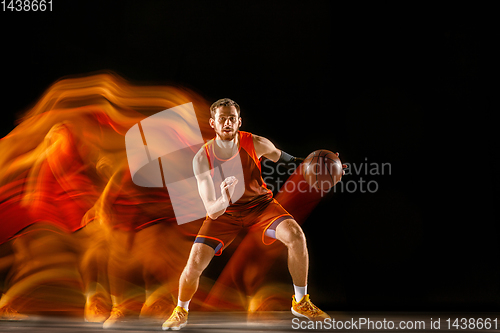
{"x": 191, "y": 272}
{"x": 290, "y": 233}
{"x": 200, "y": 257}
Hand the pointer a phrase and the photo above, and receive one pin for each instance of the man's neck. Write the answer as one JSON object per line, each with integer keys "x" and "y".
{"x": 227, "y": 148}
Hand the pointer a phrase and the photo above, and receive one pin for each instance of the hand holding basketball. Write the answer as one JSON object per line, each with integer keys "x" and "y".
{"x": 322, "y": 169}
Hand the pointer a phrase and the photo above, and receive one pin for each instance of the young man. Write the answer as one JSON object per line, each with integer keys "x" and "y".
{"x": 230, "y": 165}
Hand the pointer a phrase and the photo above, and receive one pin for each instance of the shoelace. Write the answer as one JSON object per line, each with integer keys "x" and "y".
{"x": 308, "y": 306}
{"x": 177, "y": 315}
{"x": 9, "y": 312}
{"x": 116, "y": 313}
{"x": 97, "y": 307}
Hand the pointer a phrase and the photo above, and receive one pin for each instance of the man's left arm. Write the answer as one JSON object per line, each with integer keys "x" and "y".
{"x": 264, "y": 147}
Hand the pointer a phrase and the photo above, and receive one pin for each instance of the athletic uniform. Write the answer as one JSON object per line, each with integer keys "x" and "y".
{"x": 255, "y": 207}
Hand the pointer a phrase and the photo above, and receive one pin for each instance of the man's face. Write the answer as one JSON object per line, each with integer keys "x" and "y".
{"x": 226, "y": 122}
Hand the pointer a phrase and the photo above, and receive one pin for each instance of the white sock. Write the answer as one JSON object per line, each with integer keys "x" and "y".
{"x": 185, "y": 304}
{"x": 300, "y": 292}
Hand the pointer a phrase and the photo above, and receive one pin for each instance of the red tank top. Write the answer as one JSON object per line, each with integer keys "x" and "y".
{"x": 251, "y": 189}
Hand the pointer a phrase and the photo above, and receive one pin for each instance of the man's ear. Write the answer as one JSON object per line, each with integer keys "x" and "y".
{"x": 211, "y": 122}
{"x": 239, "y": 121}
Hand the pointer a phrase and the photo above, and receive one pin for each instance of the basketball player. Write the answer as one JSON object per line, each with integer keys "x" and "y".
{"x": 231, "y": 187}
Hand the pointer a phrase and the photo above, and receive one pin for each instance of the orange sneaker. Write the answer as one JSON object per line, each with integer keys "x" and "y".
{"x": 8, "y": 313}
{"x": 116, "y": 316}
{"x": 306, "y": 309}
{"x": 177, "y": 320}
{"x": 96, "y": 310}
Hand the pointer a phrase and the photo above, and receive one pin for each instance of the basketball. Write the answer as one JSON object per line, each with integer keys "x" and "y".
{"x": 322, "y": 169}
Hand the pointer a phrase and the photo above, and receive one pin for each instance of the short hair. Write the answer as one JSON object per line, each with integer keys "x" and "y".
{"x": 223, "y": 102}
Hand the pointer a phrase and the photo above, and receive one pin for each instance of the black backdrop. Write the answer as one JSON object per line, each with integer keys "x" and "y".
{"x": 379, "y": 85}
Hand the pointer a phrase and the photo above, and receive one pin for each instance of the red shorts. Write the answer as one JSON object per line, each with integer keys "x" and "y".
{"x": 221, "y": 232}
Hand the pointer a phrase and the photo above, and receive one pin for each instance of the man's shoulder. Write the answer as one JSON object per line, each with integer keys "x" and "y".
{"x": 263, "y": 147}
{"x": 260, "y": 140}
{"x": 201, "y": 155}
{"x": 250, "y": 136}
{"x": 201, "y": 164}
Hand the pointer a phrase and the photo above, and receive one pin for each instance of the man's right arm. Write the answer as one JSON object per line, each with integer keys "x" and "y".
{"x": 215, "y": 206}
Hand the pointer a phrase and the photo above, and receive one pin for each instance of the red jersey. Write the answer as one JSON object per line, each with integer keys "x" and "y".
{"x": 251, "y": 189}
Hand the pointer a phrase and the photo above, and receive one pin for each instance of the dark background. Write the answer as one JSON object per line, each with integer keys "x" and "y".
{"x": 406, "y": 86}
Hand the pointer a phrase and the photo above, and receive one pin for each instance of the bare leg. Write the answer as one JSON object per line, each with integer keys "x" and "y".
{"x": 199, "y": 258}
{"x": 290, "y": 233}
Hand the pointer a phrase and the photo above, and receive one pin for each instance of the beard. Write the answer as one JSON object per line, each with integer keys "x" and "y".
{"x": 225, "y": 136}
